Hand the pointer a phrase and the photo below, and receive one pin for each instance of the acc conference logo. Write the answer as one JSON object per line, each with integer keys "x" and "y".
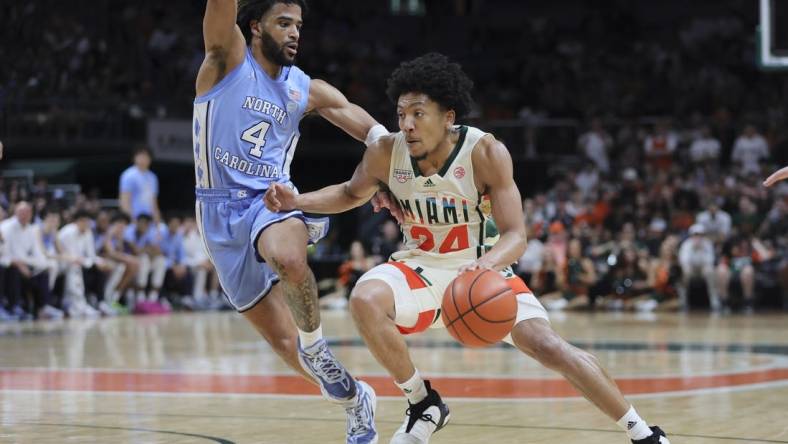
{"x": 403, "y": 176}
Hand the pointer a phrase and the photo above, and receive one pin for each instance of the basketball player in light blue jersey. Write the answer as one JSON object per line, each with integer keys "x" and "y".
{"x": 250, "y": 99}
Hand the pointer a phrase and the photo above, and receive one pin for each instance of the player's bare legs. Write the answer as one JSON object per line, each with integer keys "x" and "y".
{"x": 272, "y": 319}
{"x": 372, "y": 307}
{"x": 283, "y": 245}
{"x": 373, "y": 310}
{"x": 538, "y": 340}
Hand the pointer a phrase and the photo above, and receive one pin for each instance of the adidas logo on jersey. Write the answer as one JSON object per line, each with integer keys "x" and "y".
{"x": 429, "y": 183}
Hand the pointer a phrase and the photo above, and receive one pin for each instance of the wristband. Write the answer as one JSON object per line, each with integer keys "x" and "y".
{"x": 375, "y": 133}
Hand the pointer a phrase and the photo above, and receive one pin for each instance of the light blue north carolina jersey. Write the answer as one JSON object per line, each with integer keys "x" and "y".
{"x": 245, "y": 132}
{"x": 246, "y": 127}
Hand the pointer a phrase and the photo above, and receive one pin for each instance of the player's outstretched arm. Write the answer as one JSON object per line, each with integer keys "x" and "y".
{"x": 224, "y": 43}
{"x": 492, "y": 164}
{"x": 340, "y": 197}
{"x": 776, "y": 177}
{"x": 330, "y": 103}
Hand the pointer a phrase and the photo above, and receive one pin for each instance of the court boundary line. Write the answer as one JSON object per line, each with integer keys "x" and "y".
{"x": 669, "y": 394}
{"x": 779, "y": 362}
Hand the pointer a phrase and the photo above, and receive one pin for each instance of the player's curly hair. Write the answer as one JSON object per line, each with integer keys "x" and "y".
{"x": 434, "y": 75}
{"x": 249, "y": 10}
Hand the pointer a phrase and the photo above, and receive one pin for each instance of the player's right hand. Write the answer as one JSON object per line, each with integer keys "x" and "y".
{"x": 279, "y": 197}
{"x": 383, "y": 199}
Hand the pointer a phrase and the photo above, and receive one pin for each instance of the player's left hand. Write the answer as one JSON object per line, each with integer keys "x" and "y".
{"x": 383, "y": 199}
{"x": 478, "y": 264}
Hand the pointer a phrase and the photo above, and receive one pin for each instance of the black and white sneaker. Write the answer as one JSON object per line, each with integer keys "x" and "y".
{"x": 422, "y": 419}
{"x": 657, "y": 437}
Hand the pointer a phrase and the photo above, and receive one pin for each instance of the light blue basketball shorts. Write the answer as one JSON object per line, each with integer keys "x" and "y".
{"x": 230, "y": 222}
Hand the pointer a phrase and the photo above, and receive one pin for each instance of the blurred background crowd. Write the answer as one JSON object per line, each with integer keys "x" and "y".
{"x": 640, "y": 133}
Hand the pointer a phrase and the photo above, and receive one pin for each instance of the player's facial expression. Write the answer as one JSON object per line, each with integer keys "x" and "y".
{"x": 279, "y": 32}
{"x": 423, "y": 121}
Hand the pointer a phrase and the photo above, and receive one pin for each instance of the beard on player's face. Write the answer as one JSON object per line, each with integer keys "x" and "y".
{"x": 274, "y": 51}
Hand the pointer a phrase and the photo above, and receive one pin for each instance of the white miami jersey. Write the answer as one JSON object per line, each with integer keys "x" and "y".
{"x": 443, "y": 212}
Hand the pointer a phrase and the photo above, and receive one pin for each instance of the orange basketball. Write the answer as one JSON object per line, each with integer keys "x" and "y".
{"x": 479, "y": 308}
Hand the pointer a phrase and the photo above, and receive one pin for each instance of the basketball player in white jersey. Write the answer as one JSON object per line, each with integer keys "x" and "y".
{"x": 777, "y": 176}
{"x": 438, "y": 172}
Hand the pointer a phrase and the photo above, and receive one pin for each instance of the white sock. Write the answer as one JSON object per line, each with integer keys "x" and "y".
{"x": 309, "y": 338}
{"x": 634, "y": 425}
{"x": 414, "y": 388}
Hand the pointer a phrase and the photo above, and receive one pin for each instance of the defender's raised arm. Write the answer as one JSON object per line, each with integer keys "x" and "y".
{"x": 224, "y": 43}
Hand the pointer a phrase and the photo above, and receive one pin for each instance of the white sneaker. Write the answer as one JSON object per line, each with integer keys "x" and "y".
{"x": 50, "y": 312}
{"x": 106, "y": 309}
{"x": 647, "y": 305}
{"x": 556, "y": 304}
{"x": 423, "y": 419}
{"x": 90, "y": 313}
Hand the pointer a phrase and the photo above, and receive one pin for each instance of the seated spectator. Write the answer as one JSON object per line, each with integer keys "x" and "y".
{"x": 627, "y": 279}
{"x": 350, "y": 271}
{"x": 660, "y": 146}
{"x": 116, "y": 249}
{"x": 171, "y": 245}
{"x": 573, "y": 282}
{"x": 705, "y": 148}
{"x": 531, "y": 261}
{"x": 716, "y": 222}
{"x": 595, "y": 144}
{"x": 739, "y": 258}
{"x": 201, "y": 269}
{"x": 696, "y": 258}
{"x": 78, "y": 251}
{"x": 144, "y": 238}
{"x": 546, "y": 280}
{"x": 749, "y": 150}
{"x": 664, "y": 278}
{"x": 28, "y": 268}
{"x": 387, "y": 242}
{"x": 50, "y": 223}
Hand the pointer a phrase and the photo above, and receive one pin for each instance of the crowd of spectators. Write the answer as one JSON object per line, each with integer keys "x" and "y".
{"x": 138, "y": 60}
{"x": 80, "y": 260}
{"x": 652, "y": 216}
{"x": 654, "y": 219}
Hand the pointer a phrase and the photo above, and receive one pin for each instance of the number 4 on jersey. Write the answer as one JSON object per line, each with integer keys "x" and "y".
{"x": 256, "y": 136}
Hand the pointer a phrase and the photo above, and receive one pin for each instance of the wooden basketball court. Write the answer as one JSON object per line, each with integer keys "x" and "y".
{"x": 192, "y": 378}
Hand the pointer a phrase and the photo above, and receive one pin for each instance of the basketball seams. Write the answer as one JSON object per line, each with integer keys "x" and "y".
{"x": 460, "y": 317}
{"x": 473, "y": 308}
{"x": 454, "y": 300}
